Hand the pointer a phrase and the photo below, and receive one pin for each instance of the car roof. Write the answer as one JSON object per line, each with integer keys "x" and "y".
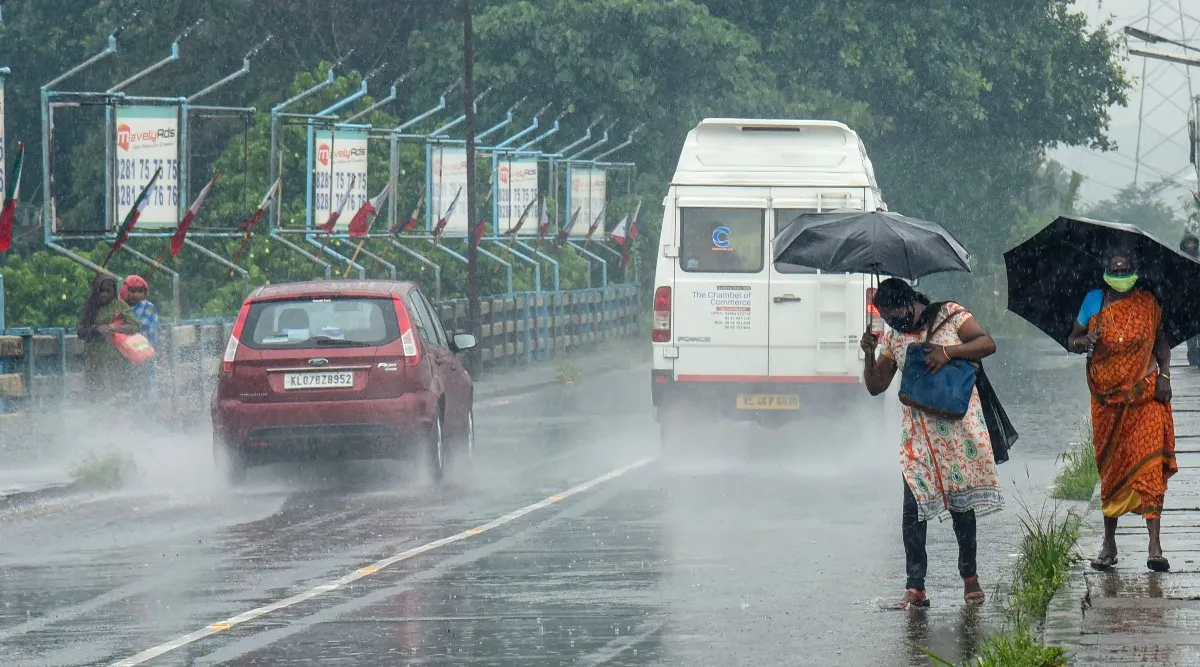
{"x": 362, "y": 288}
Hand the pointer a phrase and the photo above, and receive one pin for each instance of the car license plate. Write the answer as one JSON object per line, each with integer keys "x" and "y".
{"x": 768, "y": 402}
{"x": 321, "y": 380}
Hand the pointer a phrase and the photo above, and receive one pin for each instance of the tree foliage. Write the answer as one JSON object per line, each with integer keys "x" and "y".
{"x": 956, "y": 102}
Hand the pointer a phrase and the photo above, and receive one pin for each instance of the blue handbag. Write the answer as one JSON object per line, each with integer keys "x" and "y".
{"x": 946, "y": 393}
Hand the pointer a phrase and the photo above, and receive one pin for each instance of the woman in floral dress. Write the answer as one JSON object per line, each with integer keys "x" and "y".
{"x": 948, "y": 465}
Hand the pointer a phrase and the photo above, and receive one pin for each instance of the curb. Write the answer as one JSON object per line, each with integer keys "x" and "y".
{"x": 21, "y": 499}
{"x": 1063, "y": 625}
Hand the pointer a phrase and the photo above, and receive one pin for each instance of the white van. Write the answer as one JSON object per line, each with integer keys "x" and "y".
{"x": 734, "y": 337}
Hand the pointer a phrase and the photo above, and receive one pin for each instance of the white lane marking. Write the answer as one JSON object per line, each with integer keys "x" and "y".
{"x": 368, "y": 570}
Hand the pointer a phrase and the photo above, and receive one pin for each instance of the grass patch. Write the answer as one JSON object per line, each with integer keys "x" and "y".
{"x": 568, "y": 373}
{"x": 1079, "y": 477}
{"x": 104, "y": 471}
{"x": 1047, "y": 553}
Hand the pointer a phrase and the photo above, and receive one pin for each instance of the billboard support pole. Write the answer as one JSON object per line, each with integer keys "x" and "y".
{"x": 548, "y": 258}
{"x": 508, "y": 119}
{"x": 394, "y": 137}
{"x": 437, "y": 268}
{"x": 520, "y": 135}
{"x": 598, "y": 258}
{"x": 47, "y": 134}
{"x": 545, "y": 135}
{"x": 223, "y": 262}
{"x": 537, "y": 267}
{"x": 441, "y": 131}
{"x": 502, "y": 262}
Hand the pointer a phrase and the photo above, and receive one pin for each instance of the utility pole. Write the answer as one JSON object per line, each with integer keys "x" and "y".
{"x": 473, "y": 309}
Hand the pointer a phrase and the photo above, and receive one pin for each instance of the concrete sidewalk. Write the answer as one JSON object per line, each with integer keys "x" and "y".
{"x": 28, "y": 472}
{"x": 1131, "y": 616}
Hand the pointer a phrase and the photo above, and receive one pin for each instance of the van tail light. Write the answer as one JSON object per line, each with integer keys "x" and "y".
{"x": 662, "y": 315}
{"x": 876, "y": 322}
{"x": 408, "y": 337}
{"x": 231, "y": 347}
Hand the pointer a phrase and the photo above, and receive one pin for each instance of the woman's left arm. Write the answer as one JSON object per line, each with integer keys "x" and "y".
{"x": 1162, "y": 354}
{"x": 976, "y": 342}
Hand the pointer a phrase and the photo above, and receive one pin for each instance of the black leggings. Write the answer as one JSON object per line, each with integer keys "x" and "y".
{"x": 916, "y": 560}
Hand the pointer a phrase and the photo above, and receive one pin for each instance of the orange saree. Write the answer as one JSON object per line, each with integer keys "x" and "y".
{"x": 1134, "y": 434}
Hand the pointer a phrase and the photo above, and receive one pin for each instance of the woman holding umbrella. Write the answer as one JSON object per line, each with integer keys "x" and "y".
{"x": 1128, "y": 373}
{"x": 948, "y": 465}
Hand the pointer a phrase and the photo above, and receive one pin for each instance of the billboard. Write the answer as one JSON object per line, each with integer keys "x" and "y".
{"x": 516, "y": 187}
{"x": 147, "y": 139}
{"x": 448, "y": 188}
{"x": 339, "y": 171}
{"x": 589, "y": 192}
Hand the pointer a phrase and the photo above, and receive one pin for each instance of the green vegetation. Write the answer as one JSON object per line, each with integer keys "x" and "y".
{"x": 568, "y": 373}
{"x": 110, "y": 470}
{"x": 957, "y": 105}
{"x": 1047, "y": 553}
{"x": 1079, "y": 476}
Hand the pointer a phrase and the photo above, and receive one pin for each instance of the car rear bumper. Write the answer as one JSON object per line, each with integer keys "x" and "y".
{"x": 343, "y": 429}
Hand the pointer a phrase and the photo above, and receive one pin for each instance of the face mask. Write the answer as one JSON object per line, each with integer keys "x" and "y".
{"x": 906, "y": 323}
{"x": 1121, "y": 283}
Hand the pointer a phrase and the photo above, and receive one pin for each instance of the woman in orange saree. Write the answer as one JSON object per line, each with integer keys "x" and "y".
{"x": 1129, "y": 377}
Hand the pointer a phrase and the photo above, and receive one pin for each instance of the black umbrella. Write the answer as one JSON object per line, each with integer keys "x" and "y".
{"x": 1049, "y": 274}
{"x": 877, "y": 242}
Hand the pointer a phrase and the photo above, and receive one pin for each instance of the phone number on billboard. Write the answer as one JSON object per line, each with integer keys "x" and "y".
{"x": 144, "y": 168}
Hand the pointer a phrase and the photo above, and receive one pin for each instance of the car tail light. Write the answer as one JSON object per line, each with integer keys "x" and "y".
{"x": 408, "y": 337}
{"x": 662, "y": 315}
{"x": 231, "y": 347}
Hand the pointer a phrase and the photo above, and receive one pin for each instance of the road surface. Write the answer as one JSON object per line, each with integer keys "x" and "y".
{"x": 569, "y": 541}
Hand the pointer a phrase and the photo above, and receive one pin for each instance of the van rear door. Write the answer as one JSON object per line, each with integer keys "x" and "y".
{"x": 816, "y": 318}
{"x": 719, "y": 301}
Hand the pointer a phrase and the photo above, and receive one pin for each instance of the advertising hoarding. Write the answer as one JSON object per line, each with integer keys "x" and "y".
{"x": 147, "y": 139}
{"x": 589, "y": 192}
{"x": 339, "y": 171}
{"x": 448, "y": 188}
{"x": 516, "y": 187}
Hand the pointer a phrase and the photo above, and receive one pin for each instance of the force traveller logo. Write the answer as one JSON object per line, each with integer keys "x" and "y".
{"x": 128, "y": 139}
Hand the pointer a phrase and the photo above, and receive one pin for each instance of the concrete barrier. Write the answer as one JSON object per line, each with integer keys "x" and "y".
{"x": 45, "y": 365}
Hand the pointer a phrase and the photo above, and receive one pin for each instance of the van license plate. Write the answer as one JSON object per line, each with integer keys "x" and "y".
{"x": 322, "y": 380}
{"x": 768, "y": 402}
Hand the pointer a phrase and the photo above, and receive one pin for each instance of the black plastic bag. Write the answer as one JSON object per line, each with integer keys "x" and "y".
{"x": 1000, "y": 428}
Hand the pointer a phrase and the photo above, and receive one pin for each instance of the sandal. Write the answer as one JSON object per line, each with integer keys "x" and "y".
{"x": 1106, "y": 562}
{"x": 1158, "y": 564}
{"x": 972, "y": 591}
{"x": 913, "y": 598}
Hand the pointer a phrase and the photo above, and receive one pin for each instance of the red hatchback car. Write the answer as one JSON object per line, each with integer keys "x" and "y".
{"x": 341, "y": 369}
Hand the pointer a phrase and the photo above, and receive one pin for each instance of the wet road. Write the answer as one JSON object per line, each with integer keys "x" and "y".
{"x": 569, "y": 542}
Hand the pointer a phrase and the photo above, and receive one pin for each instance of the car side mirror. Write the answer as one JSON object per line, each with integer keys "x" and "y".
{"x": 463, "y": 342}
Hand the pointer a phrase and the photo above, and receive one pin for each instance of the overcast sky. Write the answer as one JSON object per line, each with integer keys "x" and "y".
{"x": 1161, "y": 95}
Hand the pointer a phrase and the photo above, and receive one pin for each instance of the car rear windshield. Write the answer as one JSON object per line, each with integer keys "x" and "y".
{"x": 321, "y": 322}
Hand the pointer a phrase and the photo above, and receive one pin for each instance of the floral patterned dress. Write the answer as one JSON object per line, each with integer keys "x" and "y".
{"x": 947, "y": 464}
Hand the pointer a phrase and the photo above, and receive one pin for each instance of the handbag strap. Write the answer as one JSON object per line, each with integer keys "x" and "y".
{"x": 930, "y": 330}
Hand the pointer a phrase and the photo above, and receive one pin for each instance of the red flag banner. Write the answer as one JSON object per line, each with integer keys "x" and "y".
{"x": 358, "y": 224}
{"x": 182, "y": 230}
{"x": 9, "y": 213}
{"x": 130, "y": 222}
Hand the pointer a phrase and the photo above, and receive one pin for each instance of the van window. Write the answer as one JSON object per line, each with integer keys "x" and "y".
{"x": 320, "y": 322}
{"x": 721, "y": 240}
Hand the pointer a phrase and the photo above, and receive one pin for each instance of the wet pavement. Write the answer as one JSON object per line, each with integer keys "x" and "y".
{"x": 1132, "y": 616}
{"x": 569, "y": 541}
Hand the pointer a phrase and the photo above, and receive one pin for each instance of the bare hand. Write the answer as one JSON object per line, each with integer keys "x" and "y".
{"x": 935, "y": 357}
{"x": 1162, "y": 390}
{"x": 1085, "y": 342}
{"x": 868, "y": 343}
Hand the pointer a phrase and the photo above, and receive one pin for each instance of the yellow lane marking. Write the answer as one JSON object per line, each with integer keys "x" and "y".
{"x": 220, "y": 626}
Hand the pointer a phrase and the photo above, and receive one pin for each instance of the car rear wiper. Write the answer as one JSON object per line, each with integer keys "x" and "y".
{"x": 338, "y": 342}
